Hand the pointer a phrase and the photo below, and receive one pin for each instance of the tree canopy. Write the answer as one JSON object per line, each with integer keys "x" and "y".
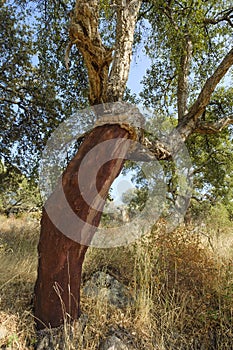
{"x": 189, "y": 44}
{"x": 37, "y": 91}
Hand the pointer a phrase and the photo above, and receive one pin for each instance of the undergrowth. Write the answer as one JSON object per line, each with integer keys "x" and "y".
{"x": 181, "y": 282}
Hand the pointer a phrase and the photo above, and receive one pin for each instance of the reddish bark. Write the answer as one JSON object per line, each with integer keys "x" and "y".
{"x": 57, "y": 289}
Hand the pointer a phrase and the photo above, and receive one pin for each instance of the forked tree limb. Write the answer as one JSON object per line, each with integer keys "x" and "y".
{"x": 226, "y": 15}
{"x": 105, "y": 85}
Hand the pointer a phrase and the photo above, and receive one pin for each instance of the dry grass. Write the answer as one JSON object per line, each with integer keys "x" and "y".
{"x": 18, "y": 260}
{"x": 182, "y": 283}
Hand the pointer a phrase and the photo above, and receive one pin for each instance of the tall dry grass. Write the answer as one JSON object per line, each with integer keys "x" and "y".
{"x": 18, "y": 261}
{"x": 182, "y": 284}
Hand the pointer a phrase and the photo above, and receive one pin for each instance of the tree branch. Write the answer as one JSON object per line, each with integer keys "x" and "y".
{"x": 104, "y": 86}
{"x": 144, "y": 13}
{"x": 126, "y": 21}
{"x": 182, "y": 89}
{"x": 84, "y": 34}
{"x": 18, "y": 103}
{"x": 166, "y": 9}
{"x": 204, "y": 127}
{"x": 226, "y": 15}
{"x": 189, "y": 123}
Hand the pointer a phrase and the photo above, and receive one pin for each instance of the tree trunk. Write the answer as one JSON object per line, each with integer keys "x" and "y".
{"x": 72, "y": 213}
{"x": 57, "y": 289}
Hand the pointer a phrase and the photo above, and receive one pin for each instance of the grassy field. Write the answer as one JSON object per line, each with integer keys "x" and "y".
{"x": 182, "y": 283}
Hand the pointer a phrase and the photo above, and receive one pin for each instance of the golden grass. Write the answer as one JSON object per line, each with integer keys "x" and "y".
{"x": 182, "y": 283}
{"x": 18, "y": 262}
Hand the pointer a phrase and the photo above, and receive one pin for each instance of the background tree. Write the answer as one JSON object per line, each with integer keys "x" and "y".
{"x": 17, "y": 194}
{"x": 37, "y": 91}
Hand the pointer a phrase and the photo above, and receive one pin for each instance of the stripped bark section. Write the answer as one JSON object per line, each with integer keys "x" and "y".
{"x": 57, "y": 289}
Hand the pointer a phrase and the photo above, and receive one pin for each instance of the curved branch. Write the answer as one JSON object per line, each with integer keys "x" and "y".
{"x": 189, "y": 123}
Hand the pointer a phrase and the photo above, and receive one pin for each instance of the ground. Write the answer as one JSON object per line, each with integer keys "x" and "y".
{"x": 181, "y": 283}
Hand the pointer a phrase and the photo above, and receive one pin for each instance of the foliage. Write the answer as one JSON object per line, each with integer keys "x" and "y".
{"x": 170, "y": 24}
{"x": 37, "y": 92}
{"x": 212, "y": 155}
{"x": 135, "y": 199}
{"x": 17, "y": 193}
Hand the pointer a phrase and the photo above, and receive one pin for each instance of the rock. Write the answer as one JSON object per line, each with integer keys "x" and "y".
{"x": 113, "y": 343}
{"x": 105, "y": 286}
{"x": 3, "y": 332}
{"x": 61, "y": 337}
{"x": 51, "y": 339}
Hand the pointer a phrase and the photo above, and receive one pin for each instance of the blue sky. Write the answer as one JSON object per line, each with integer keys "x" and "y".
{"x": 138, "y": 69}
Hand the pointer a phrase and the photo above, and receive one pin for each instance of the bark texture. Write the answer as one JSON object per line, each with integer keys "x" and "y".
{"x": 127, "y": 12}
{"x": 57, "y": 289}
{"x": 85, "y": 35}
{"x": 204, "y": 127}
{"x": 105, "y": 85}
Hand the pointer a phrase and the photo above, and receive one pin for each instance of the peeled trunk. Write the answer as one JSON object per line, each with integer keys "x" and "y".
{"x": 57, "y": 289}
